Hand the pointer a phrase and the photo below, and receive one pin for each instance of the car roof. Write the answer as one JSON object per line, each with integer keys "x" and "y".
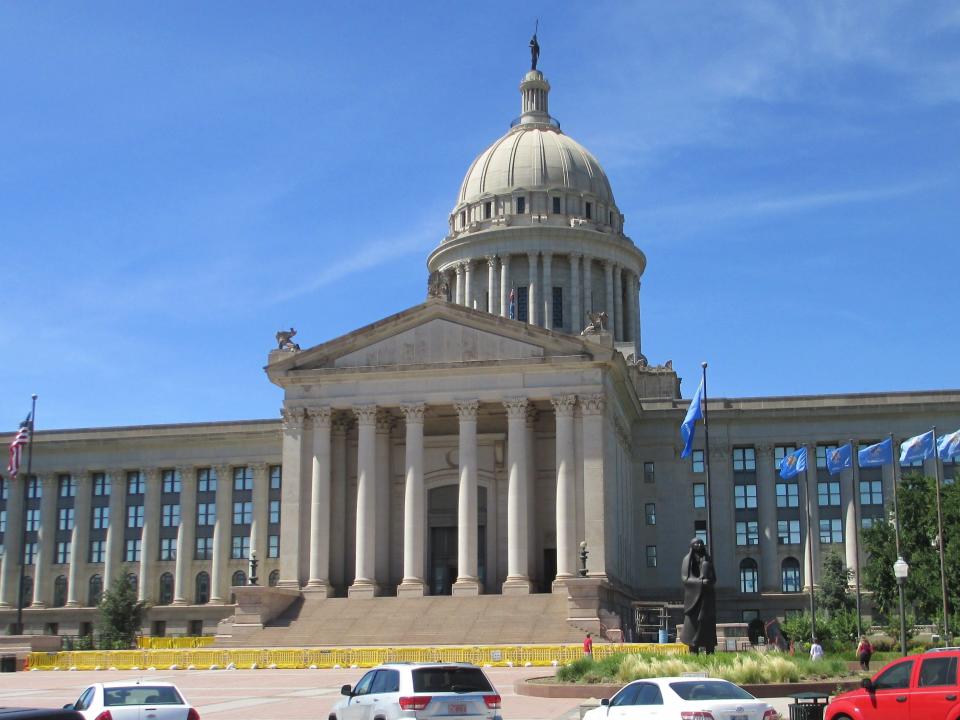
{"x": 409, "y": 665}
{"x": 134, "y": 683}
{"x": 943, "y": 649}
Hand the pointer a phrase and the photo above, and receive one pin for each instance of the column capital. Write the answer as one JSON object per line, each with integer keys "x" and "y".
{"x": 504, "y": 259}
{"x": 366, "y": 414}
{"x": 260, "y": 469}
{"x": 385, "y": 422}
{"x": 575, "y": 257}
{"x": 80, "y": 476}
{"x": 185, "y": 470}
{"x": 532, "y": 256}
{"x": 152, "y": 473}
{"x": 413, "y": 412}
{"x": 594, "y": 404}
{"x": 48, "y": 480}
{"x": 492, "y": 261}
{"x": 458, "y": 268}
{"x": 547, "y": 255}
{"x": 341, "y": 423}
{"x": 224, "y": 471}
{"x": 608, "y": 265}
{"x": 292, "y": 418}
{"x": 564, "y": 405}
{"x": 516, "y": 407}
{"x": 467, "y": 409}
{"x": 467, "y": 264}
{"x": 319, "y": 416}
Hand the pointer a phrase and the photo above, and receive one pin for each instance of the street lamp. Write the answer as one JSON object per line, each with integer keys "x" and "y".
{"x": 583, "y": 559}
{"x": 900, "y": 571}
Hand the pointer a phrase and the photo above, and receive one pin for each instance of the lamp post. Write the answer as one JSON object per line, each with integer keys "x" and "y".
{"x": 900, "y": 571}
{"x": 583, "y": 559}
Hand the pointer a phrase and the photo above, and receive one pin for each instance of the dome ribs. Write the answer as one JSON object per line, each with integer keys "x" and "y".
{"x": 563, "y": 159}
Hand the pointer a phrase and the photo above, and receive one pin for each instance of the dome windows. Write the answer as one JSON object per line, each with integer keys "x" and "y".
{"x": 521, "y": 205}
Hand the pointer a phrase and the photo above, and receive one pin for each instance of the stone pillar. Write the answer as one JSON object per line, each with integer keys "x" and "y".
{"x": 13, "y": 542}
{"x": 618, "y": 302}
{"x": 468, "y": 283}
{"x": 587, "y": 288}
{"x": 221, "y": 533}
{"x": 381, "y": 529}
{"x": 636, "y": 315}
{"x": 117, "y": 521}
{"x": 319, "y": 580}
{"x": 566, "y": 517}
{"x": 294, "y": 517}
{"x": 186, "y": 536}
{"x": 364, "y": 584}
{"x": 46, "y": 540}
{"x": 767, "y": 519}
{"x": 529, "y": 502}
{"x": 468, "y": 582}
{"x": 338, "y": 501}
{"x": 492, "y": 284}
{"x": 517, "y": 582}
{"x": 150, "y": 537}
{"x": 79, "y": 537}
{"x": 532, "y": 289}
{"x": 458, "y": 297}
{"x": 848, "y": 495}
{"x": 576, "y": 317}
{"x": 505, "y": 286}
{"x": 259, "y": 527}
{"x": 548, "y": 290}
{"x": 609, "y": 305}
{"x": 593, "y": 409}
{"x": 414, "y": 506}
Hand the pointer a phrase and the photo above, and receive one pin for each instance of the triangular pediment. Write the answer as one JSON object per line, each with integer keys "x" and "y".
{"x": 434, "y": 333}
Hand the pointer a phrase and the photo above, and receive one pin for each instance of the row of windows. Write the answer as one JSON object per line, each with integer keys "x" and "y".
{"x": 789, "y": 576}
{"x": 788, "y": 494}
{"x": 520, "y": 208}
{"x": 240, "y": 549}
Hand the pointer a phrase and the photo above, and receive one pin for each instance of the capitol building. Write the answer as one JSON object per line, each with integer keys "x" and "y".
{"x": 465, "y": 450}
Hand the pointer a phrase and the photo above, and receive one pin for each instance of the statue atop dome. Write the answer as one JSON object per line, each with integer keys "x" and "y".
{"x": 534, "y": 48}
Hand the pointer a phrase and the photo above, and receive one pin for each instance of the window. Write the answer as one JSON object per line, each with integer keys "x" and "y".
{"x": 135, "y": 483}
{"x": 790, "y": 575}
{"x": 98, "y": 550}
{"x": 522, "y": 314}
{"x": 913, "y": 463}
{"x": 101, "y": 484}
{"x": 63, "y": 552}
{"x": 170, "y": 515}
{"x": 868, "y": 522}
{"x": 204, "y": 548}
{"x": 242, "y": 513}
{"x": 558, "y": 307}
{"x": 3, "y": 521}
{"x": 386, "y": 681}
{"x": 648, "y": 472}
{"x": 65, "y": 520}
{"x": 134, "y": 516}
{"x": 239, "y": 578}
{"x": 168, "y": 548}
{"x": 274, "y": 578}
{"x": 274, "y": 512}
{"x": 749, "y": 576}
{"x": 275, "y": 476}
{"x": 463, "y": 218}
{"x": 788, "y": 495}
{"x": 699, "y": 495}
{"x": 871, "y": 492}
{"x": 896, "y": 677}
{"x": 780, "y": 452}
{"x": 745, "y": 497}
{"x": 94, "y": 590}
{"x": 651, "y": 556}
{"x": 521, "y": 205}
{"x": 937, "y": 671}
{"x": 744, "y": 459}
{"x": 33, "y": 519}
{"x": 68, "y": 486}
{"x": 60, "y": 591}
{"x": 171, "y": 481}
{"x": 487, "y": 210}
{"x": 831, "y": 531}
{"x": 206, "y": 480}
{"x": 202, "y": 588}
{"x": 4, "y": 489}
{"x": 27, "y": 595}
{"x": 243, "y": 478}
{"x": 748, "y": 533}
{"x": 700, "y": 529}
{"x": 556, "y": 206}
{"x": 241, "y": 547}
{"x": 788, "y": 532}
{"x": 34, "y": 488}
{"x": 101, "y": 517}
{"x": 828, "y": 493}
{"x": 589, "y": 211}
{"x": 748, "y": 615}
{"x": 273, "y": 546}
{"x": 651, "y": 513}
{"x": 166, "y": 589}
{"x": 696, "y": 461}
{"x": 206, "y": 514}
{"x": 132, "y": 551}
{"x": 822, "y": 452}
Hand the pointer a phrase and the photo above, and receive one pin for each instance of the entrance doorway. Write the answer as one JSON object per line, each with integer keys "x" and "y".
{"x": 442, "y": 524}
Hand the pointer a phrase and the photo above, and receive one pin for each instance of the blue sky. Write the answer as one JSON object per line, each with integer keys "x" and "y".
{"x": 179, "y": 180}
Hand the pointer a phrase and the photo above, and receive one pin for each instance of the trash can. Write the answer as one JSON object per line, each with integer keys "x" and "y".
{"x": 8, "y": 663}
{"x": 807, "y": 706}
{"x": 662, "y": 636}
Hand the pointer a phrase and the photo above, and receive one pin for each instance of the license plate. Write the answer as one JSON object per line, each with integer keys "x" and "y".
{"x": 461, "y": 709}
{"x": 738, "y": 717}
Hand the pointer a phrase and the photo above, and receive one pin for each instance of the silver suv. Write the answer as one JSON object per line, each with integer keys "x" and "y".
{"x": 420, "y": 690}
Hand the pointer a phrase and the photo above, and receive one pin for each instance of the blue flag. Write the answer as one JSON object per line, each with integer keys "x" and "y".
{"x": 919, "y": 447}
{"x": 948, "y": 446}
{"x": 694, "y": 413}
{"x": 513, "y": 304}
{"x": 793, "y": 464}
{"x": 840, "y": 459}
{"x": 876, "y": 455}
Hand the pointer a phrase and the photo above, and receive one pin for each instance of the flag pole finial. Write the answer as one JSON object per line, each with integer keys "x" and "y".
{"x": 704, "y": 364}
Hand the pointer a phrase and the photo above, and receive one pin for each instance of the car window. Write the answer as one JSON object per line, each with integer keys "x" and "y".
{"x": 709, "y": 690}
{"x": 627, "y": 696}
{"x": 141, "y": 695}
{"x": 450, "y": 679}
{"x": 86, "y": 697}
{"x": 363, "y": 687}
{"x": 649, "y": 695}
{"x": 896, "y": 677}
{"x": 938, "y": 671}
{"x": 387, "y": 681}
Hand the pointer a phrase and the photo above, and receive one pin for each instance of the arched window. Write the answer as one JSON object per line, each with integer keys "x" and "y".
{"x": 166, "y": 589}
{"x": 239, "y": 578}
{"x": 749, "y": 580}
{"x": 27, "y": 590}
{"x": 790, "y": 575}
{"x": 202, "y": 589}
{"x": 274, "y": 578}
{"x": 132, "y": 579}
{"x": 95, "y": 590}
{"x": 60, "y": 591}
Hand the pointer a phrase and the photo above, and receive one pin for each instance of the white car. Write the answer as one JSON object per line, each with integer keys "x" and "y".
{"x": 682, "y": 698}
{"x": 452, "y": 691}
{"x": 125, "y": 700}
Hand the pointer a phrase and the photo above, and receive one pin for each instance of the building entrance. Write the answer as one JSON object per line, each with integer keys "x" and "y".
{"x": 442, "y": 524}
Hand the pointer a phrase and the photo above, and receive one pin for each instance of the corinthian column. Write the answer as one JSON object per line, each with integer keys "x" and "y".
{"x": 587, "y": 286}
{"x": 116, "y": 523}
{"x": 260, "y": 522}
{"x": 468, "y": 283}
{"x": 492, "y": 284}
{"x": 608, "y": 285}
{"x": 364, "y": 584}
{"x": 505, "y": 285}
{"x": 548, "y": 290}
{"x": 186, "y": 535}
{"x": 576, "y": 318}
{"x": 320, "y": 503}
{"x": 593, "y": 411}
{"x": 517, "y": 582}
{"x": 414, "y": 505}
{"x": 381, "y": 531}
{"x": 293, "y": 515}
{"x": 13, "y": 541}
{"x": 338, "y": 500}
{"x": 79, "y": 537}
{"x": 618, "y": 302}
{"x": 767, "y": 517}
{"x": 532, "y": 289}
{"x": 221, "y": 535}
{"x": 467, "y": 579}
{"x": 46, "y": 539}
{"x": 459, "y": 289}
{"x": 150, "y": 537}
{"x": 563, "y": 407}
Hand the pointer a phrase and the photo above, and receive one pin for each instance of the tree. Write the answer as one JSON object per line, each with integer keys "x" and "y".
{"x": 833, "y": 595}
{"x": 121, "y": 615}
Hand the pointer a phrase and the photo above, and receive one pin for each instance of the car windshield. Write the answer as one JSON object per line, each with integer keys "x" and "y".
{"x": 450, "y": 679}
{"x": 141, "y": 695}
{"x": 709, "y": 690}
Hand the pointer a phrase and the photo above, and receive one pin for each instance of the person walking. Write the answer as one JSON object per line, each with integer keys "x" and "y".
{"x": 864, "y": 652}
{"x": 816, "y": 651}
{"x": 588, "y": 646}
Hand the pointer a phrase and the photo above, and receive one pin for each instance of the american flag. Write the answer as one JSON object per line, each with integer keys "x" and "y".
{"x": 513, "y": 304}
{"x": 16, "y": 447}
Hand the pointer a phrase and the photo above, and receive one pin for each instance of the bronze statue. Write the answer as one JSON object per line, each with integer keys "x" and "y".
{"x": 699, "y": 599}
{"x": 437, "y": 286}
{"x": 285, "y": 340}
{"x": 597, "y": 324}
{"x": 534, "y": 50}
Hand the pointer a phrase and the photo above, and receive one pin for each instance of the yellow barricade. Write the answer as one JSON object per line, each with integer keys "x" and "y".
{"x": 146, "y": 642}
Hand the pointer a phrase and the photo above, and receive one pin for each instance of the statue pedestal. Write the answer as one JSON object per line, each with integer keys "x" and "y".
{"x": 585, "y": 597}
{"x": 257, "y": 605}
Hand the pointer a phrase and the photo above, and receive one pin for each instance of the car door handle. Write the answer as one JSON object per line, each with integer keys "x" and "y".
{"x": 901, "y": 698}
{"x": 951, "y": 697}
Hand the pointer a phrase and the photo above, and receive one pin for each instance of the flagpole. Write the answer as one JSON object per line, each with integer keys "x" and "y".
{"x": 895, "y": 461}
{"x": 23, "y": 540}
{"x": 856, "y": 532}
{"x": 806, "y": 505}
{"x": 706, "y": 456}
{"x": 943, "y": 574}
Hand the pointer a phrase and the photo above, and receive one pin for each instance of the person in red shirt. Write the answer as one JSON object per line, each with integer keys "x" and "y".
{"x": 588, "y": 646}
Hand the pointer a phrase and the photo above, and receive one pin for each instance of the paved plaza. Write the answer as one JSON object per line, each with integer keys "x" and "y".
{"x": 269, "y": 694}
